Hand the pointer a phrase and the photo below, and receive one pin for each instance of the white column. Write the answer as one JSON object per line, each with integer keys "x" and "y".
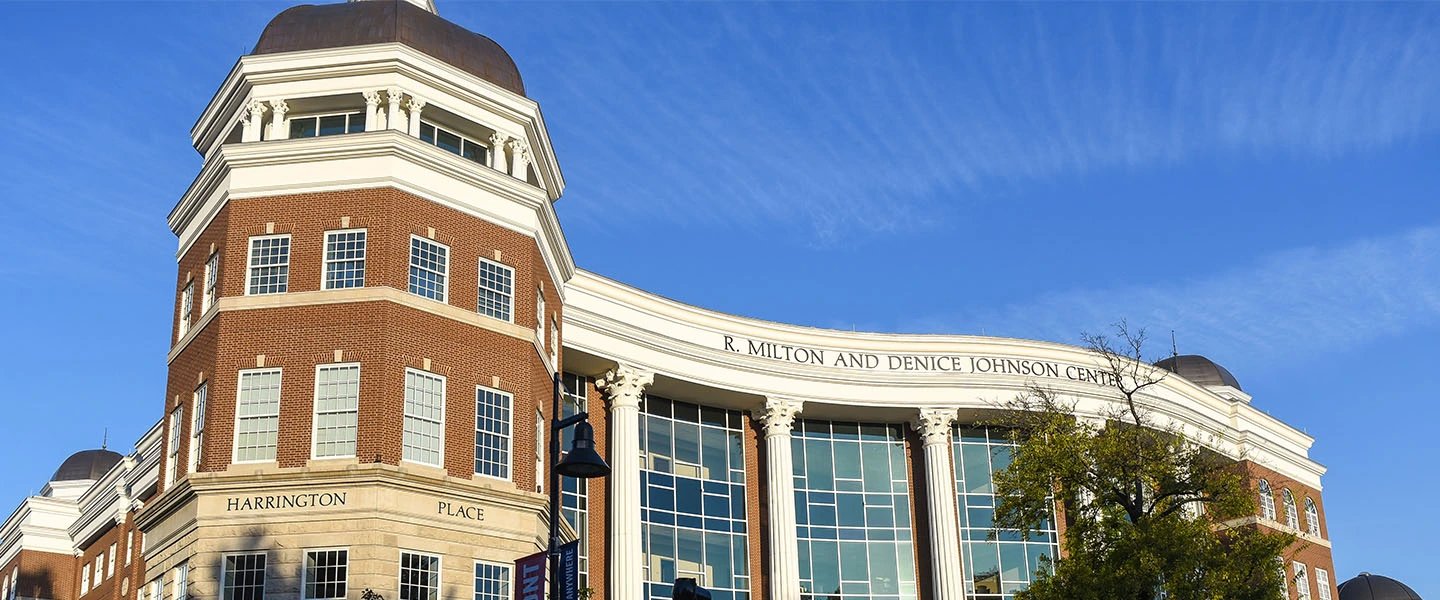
{"x": 279, "y": 129}
{"x": 624, "y": 387}
{"x": 393, "y": 97}
{"x": 372, "y": 111}
{"x": 416, "y": 105}
{"x": 520, "y": 153}
{"x": 498, "y": 141}
{"x": 934, "y": 426}
{"x": 778, "y": 419}
{"x": 254, "y": 121}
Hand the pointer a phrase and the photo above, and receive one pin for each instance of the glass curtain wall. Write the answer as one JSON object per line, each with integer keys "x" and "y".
{"x": 852, "y": 509}
{"x": 574, "y": 493}
{"x": 997, "y": 563}
{"x": 693, "y": 499}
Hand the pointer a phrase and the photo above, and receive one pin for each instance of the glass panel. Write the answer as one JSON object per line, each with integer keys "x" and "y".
{"x": 332, "y": 125}
{"x": 302, "y": 128}
{"x": 447, "y": 140}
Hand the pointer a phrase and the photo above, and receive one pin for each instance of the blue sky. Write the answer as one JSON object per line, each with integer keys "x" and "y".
{"x": 1260, "y": 178}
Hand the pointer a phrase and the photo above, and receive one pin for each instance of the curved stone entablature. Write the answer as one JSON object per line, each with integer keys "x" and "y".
{"x": 886, "y": 377}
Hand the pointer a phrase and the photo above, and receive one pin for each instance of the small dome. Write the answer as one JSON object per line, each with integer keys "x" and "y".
{"x": 1199, "y": 369}
{"x": 311, "y": 27}
{"x": 1376, "y": 587}
{"x": 86, "y": 464}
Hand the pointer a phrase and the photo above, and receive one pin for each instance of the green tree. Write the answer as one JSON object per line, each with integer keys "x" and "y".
{"x": 1149, "y": 511}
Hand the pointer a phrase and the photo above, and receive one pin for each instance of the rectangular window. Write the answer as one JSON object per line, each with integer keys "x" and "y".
{"x": 84, "y": 579}
{"x": 197, "y": 427}
{"x": 423, "y": 439}
{"x": 187, "y": 307}
{"x": 154, "y": 588}
{"x": 212, "y": 274}
{"x": 325, "y": 574}
{"x": 454, "y": 143}
{"x": 419, "y": 576}
{"x": 337, "y": 402}
{"x": 429, "y": 267}
{"x": 1302, "y": 582}
{"x": 110, "y": 562}
{"x": 269, "y": 265}
{"x": 129, "y": 547}
{"x": 344, "y": 259}
{"x": 243, "y": 577}
{"x": 540, "y": 316}
{"x": 180, "y": 583}
{"x": 322, "y": 125}
{"x": 492, "y": 582}
{"x": 257, "y": 415}
{"x": 1322, "y": 583}
{"x": 172, "y": 466}
{"x": 99, "y": 569}
{"x": 555, "y": 344}
{"x": 497, "y": 290}
{"x": 492, "y": 433}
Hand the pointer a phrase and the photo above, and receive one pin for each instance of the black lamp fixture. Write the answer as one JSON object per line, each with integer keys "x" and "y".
{"x": 581, "y": 462}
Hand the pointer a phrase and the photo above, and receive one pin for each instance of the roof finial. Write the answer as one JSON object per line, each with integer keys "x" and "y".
{"x": 105, "y": 439}
{"x": 1174, "y": 349}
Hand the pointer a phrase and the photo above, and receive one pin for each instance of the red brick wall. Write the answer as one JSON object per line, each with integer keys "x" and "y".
{"x": 384, "y": 338}
{"x": 46, "y": 575}
{"x": 1314, "y": 556}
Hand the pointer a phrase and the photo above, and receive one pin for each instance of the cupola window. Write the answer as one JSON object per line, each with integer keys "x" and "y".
{"x": 454, "y": 143}
{"x": 322, "y": 125}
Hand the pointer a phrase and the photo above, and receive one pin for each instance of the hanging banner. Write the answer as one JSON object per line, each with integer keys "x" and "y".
{"x": 569, "y": 571}
{"x": 530, "y": 577}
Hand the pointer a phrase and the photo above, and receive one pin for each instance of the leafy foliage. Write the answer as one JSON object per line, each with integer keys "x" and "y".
{"x": 1147, "y": 510}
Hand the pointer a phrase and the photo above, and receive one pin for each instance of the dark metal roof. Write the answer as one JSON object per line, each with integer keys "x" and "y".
{"x": 311, "y": 27}
{"x": 1199, "y": 369}
{"x": 86, "y": 464}
{"x": 1375, "y": 587}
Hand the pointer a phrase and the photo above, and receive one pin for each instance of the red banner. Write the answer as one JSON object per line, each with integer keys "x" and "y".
{"x": 530, "y": 577}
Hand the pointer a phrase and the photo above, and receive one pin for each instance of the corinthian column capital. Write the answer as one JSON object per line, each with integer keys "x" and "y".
{"x": 778, "y": 415}
{"x": 933, "y": 424}
{"x": 624, "y": 385}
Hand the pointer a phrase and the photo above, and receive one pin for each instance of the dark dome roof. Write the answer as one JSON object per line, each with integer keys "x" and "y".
{"x": 86, "y": 464}
{"x": 1376, "y": 587}
{"x": 1199, "y": 369}
{"x": 311, "y": 27}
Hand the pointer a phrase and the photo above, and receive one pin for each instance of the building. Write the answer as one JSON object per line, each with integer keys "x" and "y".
{"x": 371, "y": 243}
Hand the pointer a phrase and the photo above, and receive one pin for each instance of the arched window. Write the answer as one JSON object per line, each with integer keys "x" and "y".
{"x": 1267, "y": 501}
{"x": 1312, "y": 517}
{"x": 1292, "y": 517}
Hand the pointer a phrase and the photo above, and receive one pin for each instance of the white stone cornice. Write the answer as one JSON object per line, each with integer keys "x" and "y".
{"x": 935, "y": 424}
{"x": 779, "y": 414}
{"x": 625, "y": 385}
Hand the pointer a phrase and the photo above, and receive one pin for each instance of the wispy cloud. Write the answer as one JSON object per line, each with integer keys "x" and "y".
{"x": 858, "y": 118}
{"x": 1301, "y": 301}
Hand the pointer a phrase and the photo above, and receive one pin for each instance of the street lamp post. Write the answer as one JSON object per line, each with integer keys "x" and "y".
{"x": 581, "y": 462}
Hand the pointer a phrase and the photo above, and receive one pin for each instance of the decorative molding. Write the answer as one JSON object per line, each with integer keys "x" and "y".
{"x": 779, "y": 415}
{"x": 934, "y": 424}
{"x": 624, "y": 385}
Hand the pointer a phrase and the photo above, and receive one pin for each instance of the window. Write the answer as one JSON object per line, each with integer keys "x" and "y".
{"x": 180, "y": 583}
{"x": 424, "y": 428}
{"x": 344, "y": 259}
{"x": 419, "y": 576}
{"x": 269, "y": 264}
{"x": 129, "y": 546}
{"x": 492, "y": 433}
{"x": 197, "y": 428}
{"x": 172, "y": 466}
{"x": 337, "y": 402}
{"x": 692, "y": 498}
{"x": 453, "y": 143}
{"x": 1284, "y": 578}
{"x": 212, "y": 274}
{"x": 325, "y": 574}
{"x": 1267, "y": 501}
{"x": 187, "y": 306}
{"x": 575, "y": 492}
{"x": 84, "y": 579}
{"x": 497, "y": 285}
{"x": 1302, "y": 582}
{"x": 243, "y": 577}
{"x": 321, "y": 125}
{"x": 1292, "y": 519}
{"x": 540, "y": 315}
{"x": 1322, "y": 583}
{"x": 99, "y": 569}
{"x": 5, "y": 590}
{"x": 257, "y": 415}
{"x": 492, "y": 582}
{"x": 555, "y": 344}
{"x": 429, "y": 265}
{"x": 1312, "y": 518}
{"x": 154, "y": 588}
{"x": 110, "y": 563}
